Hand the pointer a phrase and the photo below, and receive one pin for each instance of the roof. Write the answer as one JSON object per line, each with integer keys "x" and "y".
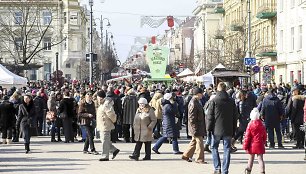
{"x": 229, "y": 73}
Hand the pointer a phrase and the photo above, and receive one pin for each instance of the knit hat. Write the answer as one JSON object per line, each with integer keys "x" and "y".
{"x": 167, "y": 96}
{"x": 116, "y": 91}
{"x": 101, "y": 94}
{"x": 254, "y": 115}
{"x": 142, "y": 101}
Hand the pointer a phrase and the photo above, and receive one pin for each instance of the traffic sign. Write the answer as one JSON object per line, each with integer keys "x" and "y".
{"x": 250, "y": 61}
{"x": 256, "y": 69}
{"x": 266, "y": 69}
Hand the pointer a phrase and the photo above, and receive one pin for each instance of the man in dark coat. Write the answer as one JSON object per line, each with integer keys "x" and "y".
{"x": 222, "y": 122}
{"x": 7, "y": 120}
{"x": 272, "y": 112}
{"x": 130, "y": 106}
{"x": 118, "y": 110}
{"x": 40, "y": 109}
{"x": 196, "y": 126}
{"x": 295, "y": 108}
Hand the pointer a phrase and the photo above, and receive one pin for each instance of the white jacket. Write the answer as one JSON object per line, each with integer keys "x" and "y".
{"x": 106, "y": 116}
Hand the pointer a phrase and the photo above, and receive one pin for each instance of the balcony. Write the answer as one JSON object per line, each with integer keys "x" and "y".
{"x": 267, "y": 11}
{"x": 219, "y": 34}
{"x": 236, "y": 26}
{"x": 267, "y": 51}
{"x": 219, "y": 9}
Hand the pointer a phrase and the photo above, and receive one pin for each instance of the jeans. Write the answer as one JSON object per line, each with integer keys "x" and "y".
{"x": 271, "y": 135}
{"x": 226, "y": 154}
{"x": 107, "y": 145}
{"x": 89, "y": 139}
{"x": 208, "y": 139}
{"x": 161, "y": 140}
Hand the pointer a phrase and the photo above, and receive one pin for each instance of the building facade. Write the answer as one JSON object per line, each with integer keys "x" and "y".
{"x": 291, "y": 38}
{"x": 53, "y": 26}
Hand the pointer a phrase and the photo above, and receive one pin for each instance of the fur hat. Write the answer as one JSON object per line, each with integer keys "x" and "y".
{"x": 254, "y": 115}
{"x": 167, "y": 96}
{"x": 142, "y": 101}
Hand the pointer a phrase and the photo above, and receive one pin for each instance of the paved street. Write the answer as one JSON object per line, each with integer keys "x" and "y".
{"x": 47, "y": 157}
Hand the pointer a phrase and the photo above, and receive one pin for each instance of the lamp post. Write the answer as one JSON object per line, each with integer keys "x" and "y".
{"x": 204, "y": 42}
{"x": 56, "y": 67}
{"x": 91, "y": 44}
{"x": 101, "y": 27}
{"x": 249, "y": 52}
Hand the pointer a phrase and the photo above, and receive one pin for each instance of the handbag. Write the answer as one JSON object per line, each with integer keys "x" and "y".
{"x": 93, "y": 123}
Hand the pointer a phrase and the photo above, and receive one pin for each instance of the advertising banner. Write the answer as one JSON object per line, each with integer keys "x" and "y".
{"x": 157, "y": 58}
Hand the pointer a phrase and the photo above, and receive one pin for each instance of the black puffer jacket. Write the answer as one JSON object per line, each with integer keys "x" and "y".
{"x": 7, "y": 114}
{"x": 222, "y": 115}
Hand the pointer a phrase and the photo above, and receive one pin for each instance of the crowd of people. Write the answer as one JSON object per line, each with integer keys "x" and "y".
{"x": 141, "y": 113}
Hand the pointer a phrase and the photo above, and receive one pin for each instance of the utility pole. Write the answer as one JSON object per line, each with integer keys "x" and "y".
{"x": 56, "y": 67}
{"x": 91, "y": 44}
{"x": 204, "y": 42}
{"x": 249, "y": 52}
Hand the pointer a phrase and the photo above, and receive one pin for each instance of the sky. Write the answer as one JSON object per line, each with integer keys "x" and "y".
{"x": 125, "y": 16}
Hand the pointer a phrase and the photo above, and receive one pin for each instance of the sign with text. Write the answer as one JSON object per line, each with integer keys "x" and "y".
{"x": 157, "y": 58}
{"x": 250, "y": 61}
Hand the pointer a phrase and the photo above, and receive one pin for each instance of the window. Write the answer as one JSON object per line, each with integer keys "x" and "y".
{"x": 74, "y": 18}
{"x": 291, "y": 77}
{"x": 300, "y": 45}
{"x": 299, "y": 76}
{"x": 292, "y": 3}
{"x": 18, "y": 43}
{"x": 292, "y": 39}
{"x": 280, "y": 78}
{"x": 47, "y": 15}
{"x": 65, "y": 17}
{"x": 18, "y": 17}
{"x": 68, "y": 76}
{"x": 68, "y": 65}
{"x": 281, "y": 5}
{"x": 281, "y": 41}
{"x": 47, "y": 43}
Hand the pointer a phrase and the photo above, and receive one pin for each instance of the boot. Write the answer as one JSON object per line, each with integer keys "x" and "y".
{"x": 206, "y": 148}
{"x": 3, "y": 141}
{"x": 27, "y": 147}
{"x": 233, "y": 142}
{"x": 9, "y": 141}
{"x": 247, "y": 171}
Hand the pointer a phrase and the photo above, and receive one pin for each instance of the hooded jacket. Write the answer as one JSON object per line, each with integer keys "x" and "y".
{"x": 296, "y": 110}
{"x": 156, "y": 104}
{"x": 255, "y": 138}
{"x": 271, "y": 110}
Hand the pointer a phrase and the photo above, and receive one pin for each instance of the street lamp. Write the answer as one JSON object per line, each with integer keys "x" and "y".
{"x": 91, "y": 44}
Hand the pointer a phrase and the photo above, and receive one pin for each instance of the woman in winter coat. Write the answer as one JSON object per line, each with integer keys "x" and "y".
{"x": 7, "y": 120}
{"x": 144, "y": 123}
{"x": 155, "y": 103}
{"x": 25, "y": 119}
{"x": 254, "y": 141}
{"x": 170, "y": 129}
{"x": 67, "y": 113}
{"x": 87, "y": 115}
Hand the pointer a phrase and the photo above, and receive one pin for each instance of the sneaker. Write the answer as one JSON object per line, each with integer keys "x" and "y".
{"x": 94, "y": 152}
{"x": 178, "y": 153}
{"x": 156, "y": 151}
{"x": 103, "y": 159}
{"x": 115, "y": 153}
{"x": 186, "y": 159}
{"x": 206, "y": 148}
{"x": 86, "y": 152}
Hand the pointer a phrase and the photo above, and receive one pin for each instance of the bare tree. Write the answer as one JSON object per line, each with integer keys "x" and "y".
{"x": 24, "y": 26}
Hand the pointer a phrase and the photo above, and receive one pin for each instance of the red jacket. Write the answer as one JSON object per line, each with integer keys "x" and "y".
{"x": 255, "y": 138}
{"x": 304, "y": 111}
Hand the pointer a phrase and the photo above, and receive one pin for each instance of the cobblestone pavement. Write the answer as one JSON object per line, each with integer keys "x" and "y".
{"x": 61, "y": 158}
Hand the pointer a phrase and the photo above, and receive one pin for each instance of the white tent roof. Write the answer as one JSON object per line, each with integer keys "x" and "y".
{"x": 186, "y": 72}
{"x": 8, "y": 78}
{"x": 219, "y": 66}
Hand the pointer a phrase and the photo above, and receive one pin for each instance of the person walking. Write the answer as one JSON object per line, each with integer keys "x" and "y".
{"x": 254, "y": 141}
{"x": 7, "y": 120}
{"x": 106, "y": 117}
{"x": 169, "y": 127}
{"x": 26, "y": 114}
{"x": 67, "y": 114}
{"x": 196, "y": 124}
{"x": 222, "y": 122}
{"x": 144, "y": 123}
{"x": 155, "y": 103}
{"x": 87, "y": 115}
{"x": 272, "y": 112}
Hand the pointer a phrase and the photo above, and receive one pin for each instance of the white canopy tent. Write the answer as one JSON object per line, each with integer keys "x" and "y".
{"x": 9, "y": 79}
{"x": 185, "y": 73}
{"x": 206, "y": 79}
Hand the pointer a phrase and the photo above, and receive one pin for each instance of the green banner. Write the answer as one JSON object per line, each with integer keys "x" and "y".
{"x": 157, "y": 58}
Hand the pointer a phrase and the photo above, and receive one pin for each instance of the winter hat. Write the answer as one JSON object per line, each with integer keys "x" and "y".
{"x": 6, "y": 97}
{"x": 167, "y": 96}
{"x": 254, "y": 115}
{"x": 142, "y": 101}
{"x": 101, "y": 94}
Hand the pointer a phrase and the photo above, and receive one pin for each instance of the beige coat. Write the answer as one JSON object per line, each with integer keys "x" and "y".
{"x": 156, "y": 104}
{"x": 106, "y": 116}
{"x": 144, "y": 123}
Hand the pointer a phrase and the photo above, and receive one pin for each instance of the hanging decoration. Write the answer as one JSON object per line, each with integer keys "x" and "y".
{"x": 156, "y": 21}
